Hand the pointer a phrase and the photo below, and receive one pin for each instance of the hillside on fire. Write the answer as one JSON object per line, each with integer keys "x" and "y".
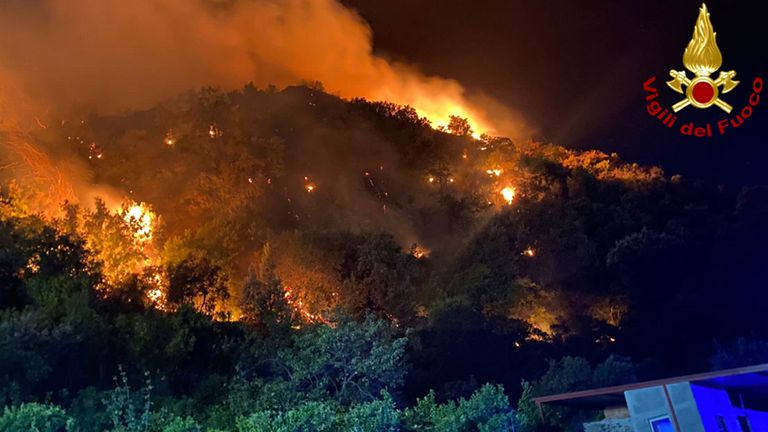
{"x": 267, "y": 259}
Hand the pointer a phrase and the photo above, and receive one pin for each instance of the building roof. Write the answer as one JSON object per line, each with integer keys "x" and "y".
{"x": 600, "y": 398}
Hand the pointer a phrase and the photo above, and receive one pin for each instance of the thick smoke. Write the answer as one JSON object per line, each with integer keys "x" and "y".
{"x": 115, "y": 55}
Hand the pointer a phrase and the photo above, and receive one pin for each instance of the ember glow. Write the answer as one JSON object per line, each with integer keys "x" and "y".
{"x": 309, "y": 186}
{"x": 170, "y": 139}
{"x": 214, "y": 132}
{"x": 418, "y": 251}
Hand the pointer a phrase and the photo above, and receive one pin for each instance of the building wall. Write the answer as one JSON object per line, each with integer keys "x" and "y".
{"x": 715, "y": 402}
{"x": 648, "y": 403}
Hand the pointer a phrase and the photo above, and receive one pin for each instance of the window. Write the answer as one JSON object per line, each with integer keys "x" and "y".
{"x": 662, "y": 424}
{"x": 721, "y": 427}
{"x": 744, "y": 423}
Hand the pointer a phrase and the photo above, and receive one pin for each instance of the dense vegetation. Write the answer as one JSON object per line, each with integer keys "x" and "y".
{"x": 320, "y": 264}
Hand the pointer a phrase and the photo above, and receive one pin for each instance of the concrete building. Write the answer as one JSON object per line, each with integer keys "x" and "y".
{"x": 733, "y": 400}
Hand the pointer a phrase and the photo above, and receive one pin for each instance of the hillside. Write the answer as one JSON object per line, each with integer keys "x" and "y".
{"x": 240, "y": 240}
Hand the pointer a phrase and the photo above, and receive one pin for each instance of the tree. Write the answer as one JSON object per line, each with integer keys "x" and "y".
{"x": 307, "y": 417}
{"x": 110, "y": 239}
{"x": 185, "y": 424}
{"x": 567, "y": 375}
{"x": 486, "y": 410}
{"x": 129, "y": 412}
{"x": 198, "y": 282}
{"x": 459, "y": 126}
{"x": 35, "y": 417}
{"x": 263, "y": 302}
{"x": 374, "y": 416}
{"x": 379, "y": 278}
{"x": 352, "y": 362}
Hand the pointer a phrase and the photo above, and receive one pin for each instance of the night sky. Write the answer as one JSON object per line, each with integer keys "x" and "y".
{"x": 575, "y": 69}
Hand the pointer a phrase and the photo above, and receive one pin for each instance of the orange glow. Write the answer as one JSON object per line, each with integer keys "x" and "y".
{"x": 141, "y": 220}
{"x": 170, "y": 139}
{"x": 309, "y": 186}
{"x": 154, "y": 294}
{"x": 418, "y": 251}
{"x": 298, "y": 305}
{"x": 508, "y": 193}
{"x": 529, "y": 252}
{"x": 214, "y": 131}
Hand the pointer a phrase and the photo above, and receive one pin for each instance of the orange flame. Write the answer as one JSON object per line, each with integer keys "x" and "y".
{"x": 141, "y": 219}
{"x": 508, "y": 193}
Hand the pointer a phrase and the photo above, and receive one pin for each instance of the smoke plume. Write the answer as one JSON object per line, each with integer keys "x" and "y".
{"x": 115, "y": 55}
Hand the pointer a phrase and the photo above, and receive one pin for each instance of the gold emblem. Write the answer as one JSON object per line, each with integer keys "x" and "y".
{"x": 703, "y": 58}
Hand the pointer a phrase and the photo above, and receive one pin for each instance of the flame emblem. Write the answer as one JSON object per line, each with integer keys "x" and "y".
{"x": 703, "y": 58}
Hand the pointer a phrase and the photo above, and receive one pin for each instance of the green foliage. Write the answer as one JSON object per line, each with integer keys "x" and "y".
{"x": 128, "y": 411}
{"x": 374, "y": 416}
{"x": 307, "y": 417}
{"x": 527, "y": 412}
{"x": 35, "y": 417}
{"x": 179, "y": 424}
{"x": 486, "y": 410}
{"x": 87, "y": 410}
{"x": 352, "y": 362}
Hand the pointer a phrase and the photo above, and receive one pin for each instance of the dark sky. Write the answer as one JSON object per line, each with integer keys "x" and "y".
{"x": 576, "y": 68}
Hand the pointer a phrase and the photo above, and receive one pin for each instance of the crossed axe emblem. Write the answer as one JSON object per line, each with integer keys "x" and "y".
{"x": 702, "y": 91}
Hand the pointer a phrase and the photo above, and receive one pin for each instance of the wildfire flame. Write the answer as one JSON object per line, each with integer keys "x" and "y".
{"x": 418, "y": 251}
{"x": 170, "y": 139}
{"x": 702, "y": 56}
{"x": 297, "y": 304}
{"x": 508, "y": 193}
{"x": 142, "y": 220}
{"x": 214, "y": 131}
{"x": 32, "y": 167}
{"x": 309, "y": 185}
{"x": 155, "y": 295}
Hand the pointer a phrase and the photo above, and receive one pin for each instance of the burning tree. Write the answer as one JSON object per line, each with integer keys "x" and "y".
{"x": 459, "y": 126}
